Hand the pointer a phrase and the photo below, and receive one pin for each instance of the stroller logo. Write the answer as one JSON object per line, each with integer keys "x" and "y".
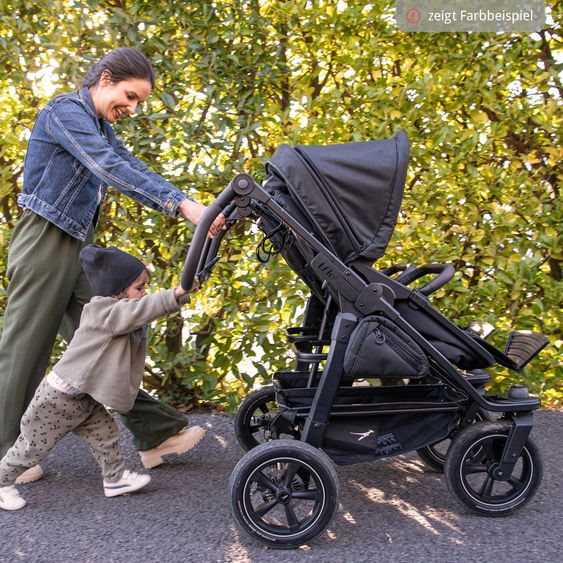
{"x": 363, "y": 434}
{"x": 385, "y": 444}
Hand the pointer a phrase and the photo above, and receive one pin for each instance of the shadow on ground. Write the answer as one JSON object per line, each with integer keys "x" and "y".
{"x": 390, "y": 510}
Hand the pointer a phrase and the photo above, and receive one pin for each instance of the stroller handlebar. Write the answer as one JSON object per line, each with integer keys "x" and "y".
{"x": 193, "y": 258}
{"x": 445, "y": 272}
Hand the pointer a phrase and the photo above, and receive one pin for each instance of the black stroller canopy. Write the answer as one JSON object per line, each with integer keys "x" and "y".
{"x": 351, "y": 192}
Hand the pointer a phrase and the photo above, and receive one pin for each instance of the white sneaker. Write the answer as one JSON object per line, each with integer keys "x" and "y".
{"x": 10, "y": 498}
{"x": 129, "y": 482}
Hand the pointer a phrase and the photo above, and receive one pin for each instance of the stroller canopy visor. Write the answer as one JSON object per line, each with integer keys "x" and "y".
{"x": 351, "y": 192}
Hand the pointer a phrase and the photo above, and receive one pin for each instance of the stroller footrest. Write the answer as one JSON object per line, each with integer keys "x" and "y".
{"x": 301, "y": 333}
{"x": 524, "y": 345}
{"x": 311, "y": 357}
{"x": 310, "y": 350}
{"x": 292, "y": 379}
{"x": 477, "y": 378}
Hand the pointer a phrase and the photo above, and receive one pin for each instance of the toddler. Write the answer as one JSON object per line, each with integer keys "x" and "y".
{"x": 103, "y": 365}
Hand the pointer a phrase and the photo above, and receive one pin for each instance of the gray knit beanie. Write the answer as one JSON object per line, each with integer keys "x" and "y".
{"x": 109, "y": 270}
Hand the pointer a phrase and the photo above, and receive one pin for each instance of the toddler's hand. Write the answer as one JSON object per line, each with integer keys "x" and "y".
{"x": 196, "y": 285}
{"x": 181, "y": 292}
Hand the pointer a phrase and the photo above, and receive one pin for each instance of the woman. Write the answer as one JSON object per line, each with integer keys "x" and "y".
{"x": 71, "y": 158}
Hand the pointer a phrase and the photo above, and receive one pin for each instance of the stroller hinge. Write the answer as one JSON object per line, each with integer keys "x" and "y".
{"x": 516, "y": 440}
{"x": 369, "y": 299}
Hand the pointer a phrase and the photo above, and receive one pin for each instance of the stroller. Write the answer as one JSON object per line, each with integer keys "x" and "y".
{"x": 378, "y": 370}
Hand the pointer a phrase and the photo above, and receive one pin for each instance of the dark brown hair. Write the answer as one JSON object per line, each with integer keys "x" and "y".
{"x": 122, "y": 64}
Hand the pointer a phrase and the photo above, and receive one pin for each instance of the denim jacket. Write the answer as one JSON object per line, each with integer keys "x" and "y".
{"x": 71, "y": 158}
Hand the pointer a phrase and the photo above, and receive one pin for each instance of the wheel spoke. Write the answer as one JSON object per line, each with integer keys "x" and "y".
{"x": 264, "y": 408}
{"x": 516, "y": 483}
{"x": 471, "y": 468}
{"x": 254, "y": 428}
{"x": 488, "y": 446}
{"x": 263, "y": 481}
{"x": 291, "y": 517}
{"x": 306, "y": 495}
{"x": 264, "y": 508}
{"x": 477, "y": 456}
{"x": 290, "y": 473}
{"x": 437, "y": 453}
{"x": 487, "y": 488}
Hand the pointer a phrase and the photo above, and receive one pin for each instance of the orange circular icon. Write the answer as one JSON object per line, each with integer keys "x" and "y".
{"x": 413, "y": 16}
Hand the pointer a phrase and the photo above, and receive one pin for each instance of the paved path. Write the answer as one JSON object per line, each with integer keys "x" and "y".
{"x": 391, "y": 510}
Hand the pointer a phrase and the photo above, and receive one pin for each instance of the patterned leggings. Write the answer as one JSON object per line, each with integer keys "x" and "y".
{"x": 50, "y": 416}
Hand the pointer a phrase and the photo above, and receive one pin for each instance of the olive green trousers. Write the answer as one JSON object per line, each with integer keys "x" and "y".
{"x": 47, "y": 290}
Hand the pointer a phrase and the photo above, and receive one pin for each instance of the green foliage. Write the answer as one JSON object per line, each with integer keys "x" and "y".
{"x": 236, "y": 79}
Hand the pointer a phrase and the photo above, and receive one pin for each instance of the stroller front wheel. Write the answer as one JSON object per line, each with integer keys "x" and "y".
{"x": 470, "y": 468}
{"x": 283, "y": 493}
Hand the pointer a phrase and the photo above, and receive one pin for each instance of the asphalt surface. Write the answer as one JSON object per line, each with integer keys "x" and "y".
{"x": 391, "y": 510}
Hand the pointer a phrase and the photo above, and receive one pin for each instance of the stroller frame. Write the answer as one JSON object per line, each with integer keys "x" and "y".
{"x": 358, "y": 298}
{"x": 359, "y": 290}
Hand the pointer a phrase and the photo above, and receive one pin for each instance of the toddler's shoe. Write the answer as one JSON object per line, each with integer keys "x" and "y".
{"x": 10, "y": 498}
{"x": 129, "y": 482}
{"x": 29, "y": 475}
{"x": 180, "y": 443}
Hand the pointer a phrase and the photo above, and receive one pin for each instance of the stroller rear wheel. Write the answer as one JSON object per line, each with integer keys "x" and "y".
{"x": 283, "y": 493}
{"x": 471, "y": 462}
{"x": 434, "y": 455}
{"x": 254, "y": 417}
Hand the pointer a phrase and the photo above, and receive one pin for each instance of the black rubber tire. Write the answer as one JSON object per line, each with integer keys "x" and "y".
{"x": 253, "y": 417}
{"x": 279, "y": 481}
{"x": 434, "y": 455}
{"x": 472, "y": 456}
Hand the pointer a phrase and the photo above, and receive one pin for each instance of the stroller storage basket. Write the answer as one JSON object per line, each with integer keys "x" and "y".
{"x": 293, "y": 379}
{"x": 355, "y": 439}
{"x": 366, "y": 423}
{"x": 378, "y": 348}
{"x": 366, "y": 399}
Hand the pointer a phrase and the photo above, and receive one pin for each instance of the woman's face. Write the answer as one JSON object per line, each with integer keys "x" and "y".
{"x": 114, "y": 99}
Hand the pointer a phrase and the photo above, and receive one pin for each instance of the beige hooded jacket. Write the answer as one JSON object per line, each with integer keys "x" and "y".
{"x": 106, "y": 357}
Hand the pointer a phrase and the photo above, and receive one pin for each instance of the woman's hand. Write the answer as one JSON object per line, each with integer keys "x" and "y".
{"x": 193, "y": 212}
